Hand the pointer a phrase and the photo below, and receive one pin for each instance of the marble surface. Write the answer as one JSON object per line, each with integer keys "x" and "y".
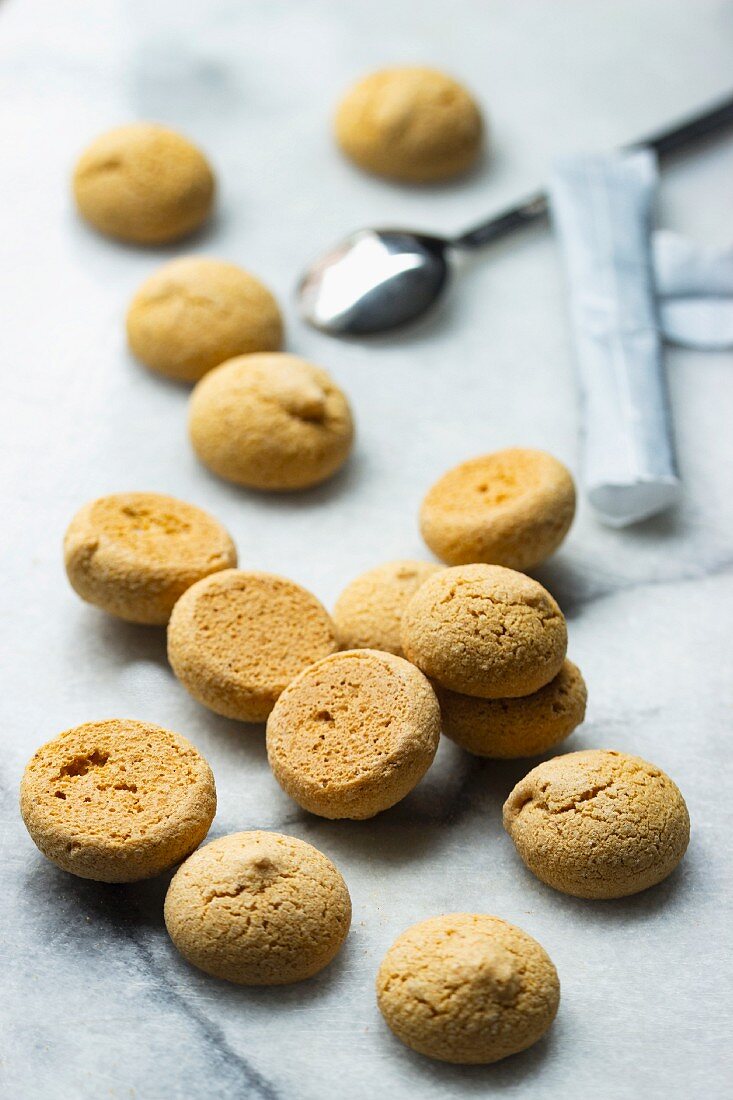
{"x": 96, "y": 1003}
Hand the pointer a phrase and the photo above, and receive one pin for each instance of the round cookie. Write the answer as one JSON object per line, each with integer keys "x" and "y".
{"x": 368, "y": 613}
{"x": 467, "y": 988}
{"x": 258, "y": 909}
{"x": 270, "y": 422}
{"x": 598, "y": 824}
{"x": 237, "y": 639}
{"x": 511, "y": 508}
{"x": 134, "y": 554}
{"x": 508, "y": 728}
{"x": 411, "y": 124}
{"x": 484, "y": 630}
{"x": 354, "y": 734}
{"x": 118, "y": 800}
{"x": 143, "y": 183}
{"x": 194, "y": 313}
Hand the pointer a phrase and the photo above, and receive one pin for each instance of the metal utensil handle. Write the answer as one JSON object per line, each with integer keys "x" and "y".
{"x": 663, "y": 143}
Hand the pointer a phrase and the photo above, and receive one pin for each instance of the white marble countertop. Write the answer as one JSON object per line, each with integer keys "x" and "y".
{"x": 96, "y": 1002}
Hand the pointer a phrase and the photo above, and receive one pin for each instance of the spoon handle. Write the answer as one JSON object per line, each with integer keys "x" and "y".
{"x": 536, "y": 206}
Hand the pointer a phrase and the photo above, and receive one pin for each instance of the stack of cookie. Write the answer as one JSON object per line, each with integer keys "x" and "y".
{"x": 354, "y": 704}
{"x": 491, "y": 640}
{"x": 493, "y": 643}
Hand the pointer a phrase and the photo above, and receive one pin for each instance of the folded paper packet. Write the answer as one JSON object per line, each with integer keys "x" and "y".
{"x": 628, "y": 288}
{"x": 601, "y": 207}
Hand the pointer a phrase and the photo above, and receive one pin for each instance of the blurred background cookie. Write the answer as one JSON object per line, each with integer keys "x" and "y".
{"x": 410, "y": 123}
{"x": 194, "y": 313}
{"x": 143, "y": 183}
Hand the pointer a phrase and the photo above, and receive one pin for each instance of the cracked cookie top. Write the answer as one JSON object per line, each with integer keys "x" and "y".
{"x": 117, "y": 800}
{"x": 270, "y": 421}
{"x": 467, "y": 988}
{"x": 258, "y": 908}
{"x": 598, "y": 824}
{"x": 484, "y": 630}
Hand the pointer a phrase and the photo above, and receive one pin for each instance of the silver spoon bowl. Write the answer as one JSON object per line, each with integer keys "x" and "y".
{"x": 373, "y": 281}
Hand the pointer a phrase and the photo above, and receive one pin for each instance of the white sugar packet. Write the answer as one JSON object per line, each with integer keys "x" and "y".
{"x": 601, "y": 208}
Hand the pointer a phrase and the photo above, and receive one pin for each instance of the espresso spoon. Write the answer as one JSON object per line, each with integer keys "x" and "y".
{"x": 379, "y": 279}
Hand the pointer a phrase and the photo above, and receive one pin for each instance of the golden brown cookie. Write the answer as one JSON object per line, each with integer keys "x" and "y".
{"x": 410, "y": 123}
{"x": 118, "y": 800}
{"x": 467, "y": 988}
{"x": 194, "y": 313}
{"x": 237, "y": 639}
{"x": 354, "y": 734}
{"x": 134, "y": 554}
{"x": 485, "y": 630}
{"x": 270, "y": 422}
{"x": 368, "y": 613}
{"x": 143, "y": 183}
{"x": 258, "y": 909}
{"x": 524, "y": 726}
{"x": 511, "y": 508}
{"x": 598, "y": 824}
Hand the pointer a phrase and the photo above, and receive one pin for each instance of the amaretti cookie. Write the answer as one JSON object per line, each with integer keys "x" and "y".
{"x": 238, "y": 638}
{"x": 484, "y": 630}
{"x": 511, "y": 508}
{"x": 411, "y": 124}
{"x": 144, "y": 183}
{"x": 258, "y": 909}
{"x": 194, "y": 313}
{"x": 368, "y": 613}
{"x": 353, "y": 734}
{"x": 118, "y": 800}
{"x": 598, "y": 824}
{"x": 467, "y": 988}
{"x": 270, "y": 422}
{"x": 134, "y": 554}
{"x": 524, "y": 726}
